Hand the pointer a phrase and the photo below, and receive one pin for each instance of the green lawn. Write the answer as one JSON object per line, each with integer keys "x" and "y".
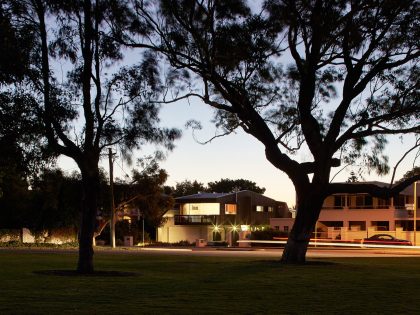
{"x": 196, "y": 285}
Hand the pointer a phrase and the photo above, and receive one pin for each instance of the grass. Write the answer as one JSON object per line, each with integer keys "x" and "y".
{"x": 199, "y": 285}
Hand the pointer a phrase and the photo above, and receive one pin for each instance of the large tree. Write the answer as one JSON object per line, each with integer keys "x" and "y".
{"x": 349, "y": 78}
{"x": 232, "y": 185}
{"x": 85, "y": 104}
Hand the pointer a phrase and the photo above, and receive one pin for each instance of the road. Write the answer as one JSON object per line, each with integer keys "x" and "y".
{"x": 239, "y": 252}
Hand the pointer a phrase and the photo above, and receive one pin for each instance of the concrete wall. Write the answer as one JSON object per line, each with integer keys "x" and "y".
{"x": 177, "y": 233}
{"x": 281, "y": 223}
{"x": 171, "y": 233}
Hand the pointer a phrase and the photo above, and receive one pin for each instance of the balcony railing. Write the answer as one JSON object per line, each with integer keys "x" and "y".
{"x": 195, "y": 219}
{"x": 332, "y": 207}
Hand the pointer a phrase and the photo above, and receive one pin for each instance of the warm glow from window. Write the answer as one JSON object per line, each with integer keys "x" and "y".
{"x": 230, "y": 209}
{"x": 200, "y": 209}
{"x": 260, "y": 209}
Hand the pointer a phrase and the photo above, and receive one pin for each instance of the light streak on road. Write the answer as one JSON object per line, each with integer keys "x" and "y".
{"x": 335, "y": 244}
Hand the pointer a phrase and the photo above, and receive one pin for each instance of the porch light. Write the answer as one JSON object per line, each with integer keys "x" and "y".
{"x": 234, "y": 228}
{"x": 216, "y": 228}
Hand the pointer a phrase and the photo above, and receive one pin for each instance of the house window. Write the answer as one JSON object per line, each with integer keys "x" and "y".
{"x": 339, "y": 201}
{"x": 399, "y": 202}
{"x": 277, "y": 228}
{"x": 359, "y": 201}
{"x": 270, "y": 209}
{"x": 230, "y": 209}
{"x": 285, "y": 228}
{"x": 364, "y": 201}
{"x": 383, "y": 203}
{"x": 259, "y": 208}
{"x": 368, "y": 201}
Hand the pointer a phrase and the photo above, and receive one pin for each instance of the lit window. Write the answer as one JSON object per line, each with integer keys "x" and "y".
{"x": 270, "y": 209}
{"x": 260, "y": 209}
{"x": 230, "y": 209}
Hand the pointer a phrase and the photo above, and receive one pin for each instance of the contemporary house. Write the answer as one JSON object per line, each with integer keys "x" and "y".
{"x": 219, "y": 216}
{"x": 356, "y": 216}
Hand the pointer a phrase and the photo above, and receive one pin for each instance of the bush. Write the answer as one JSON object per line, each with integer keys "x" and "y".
{"x": 183, "y": 243}
{"x": 16, "y": 244}
{"x": 267, "y": 235}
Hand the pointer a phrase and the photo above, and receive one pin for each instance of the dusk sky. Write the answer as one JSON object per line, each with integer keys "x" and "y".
{"x": 234, "y": 156}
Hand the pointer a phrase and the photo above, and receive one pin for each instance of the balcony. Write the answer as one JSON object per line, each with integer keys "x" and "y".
{"x": 195, "y": 219}
{"x": 403, "y": 214}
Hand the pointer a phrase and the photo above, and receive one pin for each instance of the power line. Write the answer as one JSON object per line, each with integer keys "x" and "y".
{"x": 122, "y": 169}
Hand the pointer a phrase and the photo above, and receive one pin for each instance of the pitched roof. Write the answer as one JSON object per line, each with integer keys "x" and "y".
{"x": 373, "y": 182}
{"x": 409, "y": 190}
{"x": 204, "y": 195}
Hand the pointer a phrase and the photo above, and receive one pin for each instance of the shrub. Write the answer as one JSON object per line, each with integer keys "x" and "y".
{"x": 267, "y": 235}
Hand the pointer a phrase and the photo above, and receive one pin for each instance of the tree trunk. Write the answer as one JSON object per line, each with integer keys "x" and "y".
{"x": 90, "y": 182}
{"x": 308, "y": 209}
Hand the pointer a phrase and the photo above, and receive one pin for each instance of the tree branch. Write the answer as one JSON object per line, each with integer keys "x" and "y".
{"x": 416, "y": 145}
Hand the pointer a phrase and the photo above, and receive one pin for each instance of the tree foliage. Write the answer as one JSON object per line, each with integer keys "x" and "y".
{"x": 411, "y": 173}
{"x": 224, "y": 185}
{"x": 332, "y": 77}
{"x": 232, "y": 185}
{"x": 52, "y": 202}
{"x": 55, "y": 201}
{"x": 15, "y": 46}
{"x": 186, "y": 188}
{"x": 145, "y": 194}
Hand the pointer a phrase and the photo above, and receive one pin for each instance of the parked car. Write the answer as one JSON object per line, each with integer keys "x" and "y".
{"x": 385, "y": 239}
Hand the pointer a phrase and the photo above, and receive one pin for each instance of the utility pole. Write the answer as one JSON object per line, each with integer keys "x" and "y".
{"x": 111, "y": 190}
{"x": 143, "y": 228}
{"x": 415, "y": 205}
